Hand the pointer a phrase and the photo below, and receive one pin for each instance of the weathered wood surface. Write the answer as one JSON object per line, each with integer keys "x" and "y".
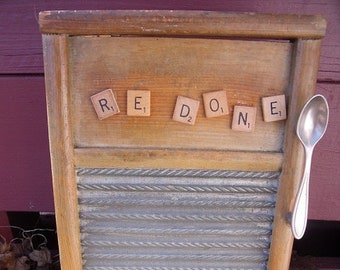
{"x": 21, "y": 53}
{"x": 153, "y": 23}
{"x": 169, "y": 68}
{"x": 61, "y": 147}
{"x": 25, "y": 174}
{"x": 325, "y": 175}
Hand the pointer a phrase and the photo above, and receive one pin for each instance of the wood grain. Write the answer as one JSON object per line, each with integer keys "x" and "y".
{"x": 198, "y": 23}
{"x": 25, "y": 171}
{"x": 61, "y": 146}
{"x": 177, "y": 159}
{"x": 170, "y": 67}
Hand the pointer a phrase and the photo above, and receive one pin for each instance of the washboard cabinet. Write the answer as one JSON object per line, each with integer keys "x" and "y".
{"x": 163, "y": 155}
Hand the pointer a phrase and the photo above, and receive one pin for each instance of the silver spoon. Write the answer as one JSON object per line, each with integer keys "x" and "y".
{"x": 311, "y": 126}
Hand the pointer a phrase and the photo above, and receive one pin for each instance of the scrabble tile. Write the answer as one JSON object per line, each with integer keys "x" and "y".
{"x": 215, "y": 103}
{"x": 186, "y": 110}
{"x": 138, "y": 103}
{"x": 244, "y": 118}
{"x": 105, "y": 104}
{"x": 274, "y": 108}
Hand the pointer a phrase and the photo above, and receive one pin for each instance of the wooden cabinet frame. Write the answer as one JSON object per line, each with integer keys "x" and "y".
{"x": 304, "y": 33}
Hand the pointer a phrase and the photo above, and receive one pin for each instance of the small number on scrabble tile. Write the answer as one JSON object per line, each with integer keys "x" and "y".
{"x": 186, "y": 110}
{"x": 274, "y": 108}
{"x": 244, "y": 118}
{"x": 105, "y": 104}
{"x": 215, "y": 103}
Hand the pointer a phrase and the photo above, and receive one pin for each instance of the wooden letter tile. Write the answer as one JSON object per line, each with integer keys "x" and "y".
{"x": 186, "y": 110}
{"x": 105, "y": 104}
{"x": 138, "y": 103}
{"x": 215, "y": 103}
{"x": 244, "y": 118}
{"x": 274, "y": 108}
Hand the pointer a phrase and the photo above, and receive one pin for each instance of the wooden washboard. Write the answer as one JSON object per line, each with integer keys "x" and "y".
{"x": 149, "y": 192}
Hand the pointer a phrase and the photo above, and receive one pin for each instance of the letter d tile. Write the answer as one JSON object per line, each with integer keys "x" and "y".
{"x": 186, "y": 110}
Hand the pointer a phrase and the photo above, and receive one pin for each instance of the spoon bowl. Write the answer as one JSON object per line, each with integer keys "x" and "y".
{"x": 313, "y": 120}
{"x": 311, "y": 126}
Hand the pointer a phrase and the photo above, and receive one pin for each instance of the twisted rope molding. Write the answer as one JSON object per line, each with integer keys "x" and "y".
{"x": 259, "y": 232}
{"x": 167, "y": 268}
{"x": 227, "y": 258}
{"x": 163, "y": 217}
{"x": 163, "y": 202}
{"x": 176, "y": 173}
{"x": 149, "y": 244}
{"x": 175, "y": 188}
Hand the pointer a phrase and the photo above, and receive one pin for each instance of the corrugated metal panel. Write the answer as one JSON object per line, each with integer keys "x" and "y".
{"x": 160, "y": 219}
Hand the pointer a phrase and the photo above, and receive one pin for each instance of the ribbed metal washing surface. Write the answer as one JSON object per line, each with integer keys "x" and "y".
{"x": 163, "y": 219}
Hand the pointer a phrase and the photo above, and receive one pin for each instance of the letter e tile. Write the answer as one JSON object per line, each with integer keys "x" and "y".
{"x": 244, "y": 118}
{"x": 138, "y": 103}
{"x": 274, "y": 108}
{"x": 215, "y": 103}
{"x": 186, "y": 110}
{"x": 105, "y": 104}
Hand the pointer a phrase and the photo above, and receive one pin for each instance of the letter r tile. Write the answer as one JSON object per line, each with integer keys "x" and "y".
{"x": 105, "y": 104}
{"x": 186, "y": 110}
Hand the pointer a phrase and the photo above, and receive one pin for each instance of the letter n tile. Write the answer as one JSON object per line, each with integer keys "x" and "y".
{"x": 244, "y": 118}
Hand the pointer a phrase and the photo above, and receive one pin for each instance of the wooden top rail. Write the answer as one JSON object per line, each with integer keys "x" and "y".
{"x": 182, "y": 23}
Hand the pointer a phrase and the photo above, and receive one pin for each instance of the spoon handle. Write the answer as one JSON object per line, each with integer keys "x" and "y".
{"x": 300, "y": 211}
